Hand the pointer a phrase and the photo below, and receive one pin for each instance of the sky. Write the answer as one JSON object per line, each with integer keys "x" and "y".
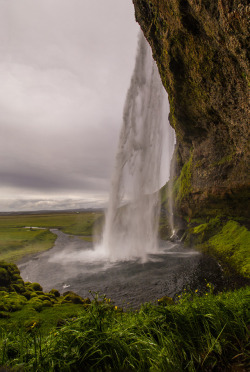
{"x": 65, "y": 67}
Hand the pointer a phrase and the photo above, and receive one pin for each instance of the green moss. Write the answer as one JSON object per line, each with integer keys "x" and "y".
{"x": 36, "y": 287}
{"x": 74, "y": 298}
{"x": 182, "y": 186}
{"x": 11, "y": 302}
{"x": 232, "y": 245}
{"x": 54, "y": 292}
{"x": 203, "y": 231}
{"x": 224, "y": 160}
{"x": 4, "y": 277}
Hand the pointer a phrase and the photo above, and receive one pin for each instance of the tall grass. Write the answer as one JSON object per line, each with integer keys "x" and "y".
{"x": 196, "y": 334}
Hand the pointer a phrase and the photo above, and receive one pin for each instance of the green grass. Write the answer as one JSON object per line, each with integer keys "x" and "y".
{"x": 46, "y": 317}
{"x": 17, "y": 242}
{"x": 70, "y": 223}
{"x": 198, "y": 333}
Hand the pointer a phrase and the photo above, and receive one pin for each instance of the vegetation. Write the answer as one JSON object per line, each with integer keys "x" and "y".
{"x": 193, "y": 333}
{"x": 232, "y": 244}
{"x": 182, "y": 186}
{"x": 225, "y": 239}
{"x": 18, "y": 241}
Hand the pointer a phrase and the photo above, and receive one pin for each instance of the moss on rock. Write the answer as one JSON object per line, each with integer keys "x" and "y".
{"x": 232, "y": 244}
{"x": 225, "y": 239}
{"x": 74, "y": 298}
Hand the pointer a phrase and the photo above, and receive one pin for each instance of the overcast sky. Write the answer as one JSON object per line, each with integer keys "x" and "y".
{"x": 65, "y": 67}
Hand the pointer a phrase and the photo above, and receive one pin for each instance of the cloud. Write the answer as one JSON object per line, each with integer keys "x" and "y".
{"x": 64, "y": 69}
{"x": 11, "y": 205}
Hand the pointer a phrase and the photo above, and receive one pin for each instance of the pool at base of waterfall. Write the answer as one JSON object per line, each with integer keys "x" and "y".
{"x": 72, "y": 264}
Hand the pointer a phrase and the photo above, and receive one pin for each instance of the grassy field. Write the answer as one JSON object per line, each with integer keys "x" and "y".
{"x": 16, "y": 241}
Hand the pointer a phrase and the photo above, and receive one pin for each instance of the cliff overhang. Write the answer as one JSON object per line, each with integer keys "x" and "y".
{"x": 200, "y": 47}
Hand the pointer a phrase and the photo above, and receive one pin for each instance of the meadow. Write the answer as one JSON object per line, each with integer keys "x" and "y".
{"x": 16, "y": 241}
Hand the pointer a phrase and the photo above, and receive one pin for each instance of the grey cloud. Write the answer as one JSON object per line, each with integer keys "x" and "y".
{"x": 11, "y": 205}
{"x": 64, "y": 70}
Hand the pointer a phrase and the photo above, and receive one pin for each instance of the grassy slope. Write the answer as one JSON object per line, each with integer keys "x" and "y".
{"x": 16, "y": 242}
{"x": 226, "y": 239}
{"x": 202, "y": 334}
{"x": 233, "y": 244}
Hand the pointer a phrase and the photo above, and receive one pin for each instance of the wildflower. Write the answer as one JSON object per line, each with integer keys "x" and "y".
{"x": 116, "y": 307}
{"x": 196, "y": 290}
{"x": 33, "y": 325}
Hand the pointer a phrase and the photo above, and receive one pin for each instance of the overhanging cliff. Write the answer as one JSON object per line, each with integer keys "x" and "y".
{"x": 200, "y": 47}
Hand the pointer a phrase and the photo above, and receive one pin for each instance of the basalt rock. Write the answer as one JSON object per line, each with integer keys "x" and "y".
{"x": 200, "y": 47}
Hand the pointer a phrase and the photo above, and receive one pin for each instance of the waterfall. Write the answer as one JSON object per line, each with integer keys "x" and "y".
{"x": 142, "y": 164}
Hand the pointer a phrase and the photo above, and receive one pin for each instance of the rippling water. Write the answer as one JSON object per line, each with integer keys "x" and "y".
{"x": 72, "y": 264}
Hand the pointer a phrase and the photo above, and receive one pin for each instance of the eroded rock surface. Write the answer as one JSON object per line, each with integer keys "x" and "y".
{"x": 201, "y": 50}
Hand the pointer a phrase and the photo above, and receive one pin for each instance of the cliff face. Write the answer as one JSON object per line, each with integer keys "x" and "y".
{"x": 200, "y": 47}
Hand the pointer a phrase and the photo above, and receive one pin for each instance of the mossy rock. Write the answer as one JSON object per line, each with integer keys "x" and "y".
{"x": 5, "y": 278}
{"x": 47, "y": 303}
{"x": 36, "y": 287}
{"x": 4, "y": 315}
{"x": 46, "y": 299}
{"x": 55, "y": 292}
{"x": 12, "y": 268}
{"x": 2, "y": 289}
{"x": 10, "y": 275}
{"x": 72, "y": 297}
{"x": 18, "y": 288}
{"x": 27, "y": 294}
{"x": 36, "y": 304}
{"x": 33, "y": 295}
{"x": 4, "y": 307}
{"x": 12, "y": 302}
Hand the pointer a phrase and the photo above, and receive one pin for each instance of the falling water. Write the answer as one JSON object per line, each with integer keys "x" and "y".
{"x": 142, "y": 163}
{"x": 170, "y": 198}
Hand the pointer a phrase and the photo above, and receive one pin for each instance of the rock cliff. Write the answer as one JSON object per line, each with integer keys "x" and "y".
{"x": 200, "y": 47}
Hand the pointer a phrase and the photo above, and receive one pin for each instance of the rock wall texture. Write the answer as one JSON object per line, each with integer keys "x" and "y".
{"x": 200, "y": 47}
